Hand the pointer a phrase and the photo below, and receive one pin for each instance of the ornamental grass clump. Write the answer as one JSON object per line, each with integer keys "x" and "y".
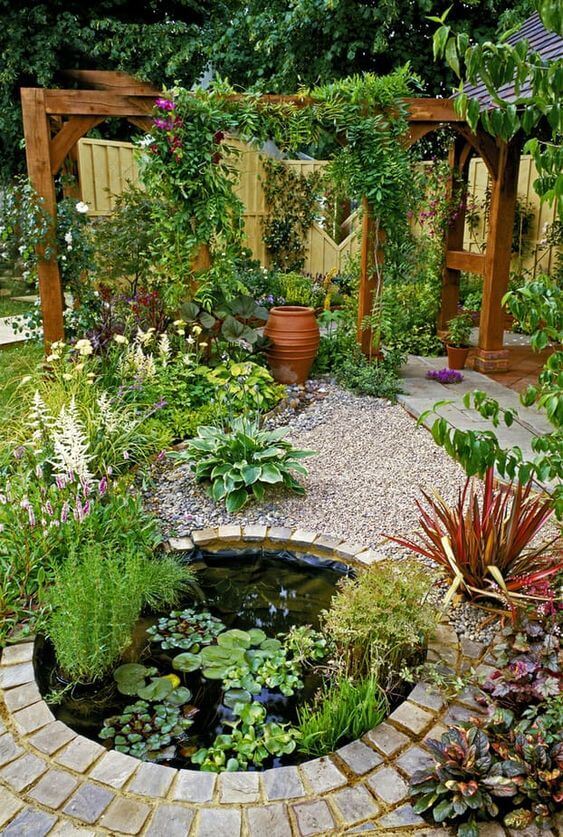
{"x": 483, "y": 545}
{"x": 244, "y": 462}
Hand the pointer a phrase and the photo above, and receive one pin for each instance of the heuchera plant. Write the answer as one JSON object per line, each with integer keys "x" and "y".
{"x": 529, "y": 663}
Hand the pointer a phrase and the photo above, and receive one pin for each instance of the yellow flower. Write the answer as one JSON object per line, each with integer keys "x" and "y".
{"x": 197, "y": 330}
{"x": 120, "y": 338}
{"x": 202, "y": 345}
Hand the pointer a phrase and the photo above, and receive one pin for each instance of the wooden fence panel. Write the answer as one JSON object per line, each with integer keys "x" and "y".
{"x": 106, "y": 167}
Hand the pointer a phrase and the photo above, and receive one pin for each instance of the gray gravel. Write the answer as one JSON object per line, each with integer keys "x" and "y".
{"x": 372, "y": 462}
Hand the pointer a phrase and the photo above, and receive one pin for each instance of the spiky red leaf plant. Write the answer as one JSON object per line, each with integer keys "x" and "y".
{"x": 483, "y": 542}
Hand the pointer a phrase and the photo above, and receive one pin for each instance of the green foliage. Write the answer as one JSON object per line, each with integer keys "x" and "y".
{"x": 539, "y": 304}
{"x": 380, "y": 619}
{"x": 123, "y": 241}
{"x": 292, "y": 204}
{"x": 459, "y": 331}
{"x": 537, "y": 87}
{"x": 251, "y": 742}
{"x": 186, "y": 629}
{"x": 245, "y": 386}
{"x": 244, "y": 461}
{"x": 297, "y": 289}
{"x": 410, "y": 311}
{"x": 341, "y": 711}
{"x": 234, "y": 321}
{"x": 379, "y": 378}
{"x": 145, "y": 731}
{"x": 96, "y": 599}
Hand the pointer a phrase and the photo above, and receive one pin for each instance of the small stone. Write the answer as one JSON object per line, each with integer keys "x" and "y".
{"x": 170, "y": 821}
{"x": 349, "y": 550}
{"x": 387, "y": 739}
{"x": 327, "y": 543}
{"x": 9, "y": 805}
{"x": 23, "y": 772}
{"x": 388, "y": 785}
{"x": 193, "y": 786}
{"x": 283, "y": 783}
{"x": 303, "y": 537}
{"x": 203, "y": 537}
{"x": 219, "y": 821}
{"x": 114, "y": 769}
{"x": 313, "y": 817}
{"x": 402, "y": 816}
{"x": 152, "y": 780}
{"x": 67, "y": 829}
{"x": 89, "y": 802}
{"x": 30, "y": 821}
{"x": 411, "y": 717}
{"x": 9, "y": 750}
{"x": 279, "y": 533}
{"x": 20, "y": 653}
{"x": 230, "y": 533}
{"x": 52, "y": 737}
{"x": 181, "y": 544}
{"x": 359, "y": 757}
{"x": 125, "y": 816}
{"x": 22, "y": 696}
{"x": 254, "y": 533}
{"x": 53, "y": 788}
{"x": 80, "y": 754}
{"x": 413, "y": 759}
{"x": 269, "y": 821}
{"x": 355, "y": 804}
{"x": 239, "y": 787}
{"x": 426, "y": 696}
{"x": 16, "y": 675}
{"x": 33, "y": 718}
{"x": 322, "y": 775}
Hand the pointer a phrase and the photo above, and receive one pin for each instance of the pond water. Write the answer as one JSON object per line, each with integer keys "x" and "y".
{"x": 252, "y": 589}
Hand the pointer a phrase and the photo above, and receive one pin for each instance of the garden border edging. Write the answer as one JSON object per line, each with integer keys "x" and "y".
{"x": 52, "y": 778}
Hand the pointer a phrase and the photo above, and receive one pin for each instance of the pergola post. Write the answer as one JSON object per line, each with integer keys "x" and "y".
{"x": 458, "y": 160}
{"x": 491, "y": 355}
{"x": 371, "y": 256}
{"x": 37, "y": 150}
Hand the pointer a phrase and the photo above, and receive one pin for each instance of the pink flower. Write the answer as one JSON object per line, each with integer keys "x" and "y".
{"x": 165, "y": 104}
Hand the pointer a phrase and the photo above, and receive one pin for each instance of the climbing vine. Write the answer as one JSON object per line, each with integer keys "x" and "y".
{"x": 187, "y": 163}
{"x": 292, "y": 201}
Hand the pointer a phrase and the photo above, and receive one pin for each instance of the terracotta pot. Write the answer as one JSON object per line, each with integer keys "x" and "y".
{"x": 295, "y": 337}
{"x": 457, "y": 356}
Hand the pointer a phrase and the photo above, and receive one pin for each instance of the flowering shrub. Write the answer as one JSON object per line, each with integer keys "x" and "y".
{"x": 445, "y": 376}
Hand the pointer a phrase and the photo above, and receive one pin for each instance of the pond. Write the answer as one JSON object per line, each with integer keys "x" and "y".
{"x": 265, "y": 591}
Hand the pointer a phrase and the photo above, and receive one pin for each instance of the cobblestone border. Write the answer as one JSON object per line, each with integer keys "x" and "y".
{"x": 53, "y": 781}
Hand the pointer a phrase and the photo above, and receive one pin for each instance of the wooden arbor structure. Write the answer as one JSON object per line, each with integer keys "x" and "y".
{"x": 54, "y": 121}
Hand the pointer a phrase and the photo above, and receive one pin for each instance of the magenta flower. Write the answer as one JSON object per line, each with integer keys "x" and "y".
{"x": 163, "y": 124}
{"x": 445, "y": 376}
{"x": 165, "y": 104}
{"x": 103, "y": 486}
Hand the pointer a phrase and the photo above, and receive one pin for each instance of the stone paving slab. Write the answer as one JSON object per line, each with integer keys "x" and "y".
{"x": 53, "y": 781}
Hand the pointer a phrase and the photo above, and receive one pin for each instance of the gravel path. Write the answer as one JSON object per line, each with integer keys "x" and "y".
{"x": 371, "y": 463}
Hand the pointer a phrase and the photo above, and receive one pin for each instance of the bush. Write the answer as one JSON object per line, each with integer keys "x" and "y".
{"x": 344, "y": 710}
{"x": 96, "y": 600}
{"x": 380, "y": 619}
{"x": 378, "y": 378}
{"x": 243, "y": 462}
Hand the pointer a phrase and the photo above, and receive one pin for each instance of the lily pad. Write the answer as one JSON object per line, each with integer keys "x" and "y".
{"x": 271, "y": 645}
{"x": 187, "y": 662}
{"x": 131, "y": 677}
{"x": 234, "y": 696}
{"x": 234, "y": 639}
{"x": 179, "y": 696}
{"x": 257, "y": 636}
{"x": 158, "y": 689}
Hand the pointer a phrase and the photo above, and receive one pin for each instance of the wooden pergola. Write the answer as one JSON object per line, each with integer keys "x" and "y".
{"x": 54, "y": 121}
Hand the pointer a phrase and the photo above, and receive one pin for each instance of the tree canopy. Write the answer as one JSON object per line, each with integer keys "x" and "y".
{"x": 269, "y": 45}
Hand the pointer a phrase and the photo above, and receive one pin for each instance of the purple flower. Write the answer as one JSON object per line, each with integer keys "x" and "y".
{"x": 445, "y": 376}
{"x": 163, "y": 124}
{"x": 64, "y": 512}
{"x": 60, "y": 481}
{"x": 165, "y": 104}
{"x": 103, "y": 486}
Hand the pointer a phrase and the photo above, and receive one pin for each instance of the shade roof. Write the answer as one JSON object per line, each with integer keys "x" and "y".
{"x": 548, "y": 44}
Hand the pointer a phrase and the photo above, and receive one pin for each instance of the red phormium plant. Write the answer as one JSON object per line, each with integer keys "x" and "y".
{"x": 475, "y": 535}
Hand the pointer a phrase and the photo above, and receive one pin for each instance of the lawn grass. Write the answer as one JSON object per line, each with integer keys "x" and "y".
{"x": 12, "y": 307}
{"x": 15, "y": 363}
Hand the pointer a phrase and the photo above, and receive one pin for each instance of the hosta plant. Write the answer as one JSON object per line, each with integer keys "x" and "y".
{"x": 145, "y": 731}
{"x": 187, "y": 629}
{"x": 483, "y": 543}
{"x": 529, "y": 662}
{"x": 244, "y": 461}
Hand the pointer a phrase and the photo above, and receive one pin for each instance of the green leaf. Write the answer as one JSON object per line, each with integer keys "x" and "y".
{"x": 234, "y": 696}
{"x": 187, "y": 662}
{"x": 236, "y": 500}
{"x": 157, "y": 689}
{"x": 234, "y": 638}
{"x": 271, "y": 473}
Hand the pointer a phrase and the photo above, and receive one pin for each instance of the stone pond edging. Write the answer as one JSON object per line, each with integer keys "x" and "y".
{"x": 54, "y": 781}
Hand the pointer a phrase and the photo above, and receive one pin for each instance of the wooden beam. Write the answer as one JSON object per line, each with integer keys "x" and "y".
{"x": 111, "y": 80}
{"x": 369, "y": 283}
{"x": 465, "y": 260}
{"x": 453, "y": 241}
{"x": 68, "y": 136}
{"x": 491, "y": 355}
{"x": 432, "y": 110}
{"x": 96, "y": 103}
{"x": 145, "y": 123}
{"x": 417, "y": 130}
{"x": 484, "y": 145}
{"x": 37, "y": 140}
